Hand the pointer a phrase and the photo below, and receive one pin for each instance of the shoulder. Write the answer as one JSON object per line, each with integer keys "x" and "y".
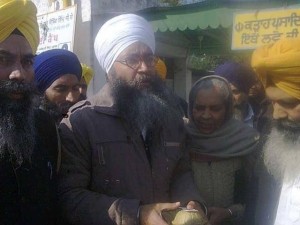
{"x": 80, "y": 105}
{"x": 43, "y": 120}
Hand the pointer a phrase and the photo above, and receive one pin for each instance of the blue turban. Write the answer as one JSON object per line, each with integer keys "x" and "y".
{"x": 240, "y": 75}
{"x": 51, "y": 65}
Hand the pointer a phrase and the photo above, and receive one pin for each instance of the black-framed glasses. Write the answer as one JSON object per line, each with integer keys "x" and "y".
{"x": 135, "y": 61}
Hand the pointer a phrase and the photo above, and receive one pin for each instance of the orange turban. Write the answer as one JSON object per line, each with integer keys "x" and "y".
{"x": 279, "y": 63}
{"x": 87, "y": 73}
{"x": 21, "y": 15}
{"x": 161, "y": 69}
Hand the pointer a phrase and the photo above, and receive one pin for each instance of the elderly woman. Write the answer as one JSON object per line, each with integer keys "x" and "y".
{"x": 218, "y": 146}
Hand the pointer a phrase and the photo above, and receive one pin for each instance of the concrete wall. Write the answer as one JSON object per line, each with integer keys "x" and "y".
{"x": 182, "y": 78}
{"x": 120, "y": 6}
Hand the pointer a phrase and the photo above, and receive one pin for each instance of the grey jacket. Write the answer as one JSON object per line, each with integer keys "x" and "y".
{"x": 105, "y": 173}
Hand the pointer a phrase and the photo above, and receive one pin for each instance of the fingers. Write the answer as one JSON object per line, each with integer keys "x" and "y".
{"x": 168, "y": 206}
{"x": 193, "y": 205}
{"x": 151, "y": 214}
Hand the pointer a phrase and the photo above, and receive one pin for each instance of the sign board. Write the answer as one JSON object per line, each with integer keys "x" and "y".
{"x": 57, "y": 29}
{"x": 253, "y": 29}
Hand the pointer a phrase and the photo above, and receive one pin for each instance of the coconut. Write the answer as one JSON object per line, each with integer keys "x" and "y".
{"x": 184, "y": 217}
{"x": 189, "y": 217}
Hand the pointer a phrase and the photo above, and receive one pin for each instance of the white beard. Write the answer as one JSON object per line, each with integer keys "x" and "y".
{"x": 282, "y": 156}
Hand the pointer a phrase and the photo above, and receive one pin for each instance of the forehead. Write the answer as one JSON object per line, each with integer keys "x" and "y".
{"x": 276, "y": 94}
{"x": 211, "y": 96}
{"x": 66, "y": 80}
{"x": 137, "y": 48}
{"x": 16, "y": 44}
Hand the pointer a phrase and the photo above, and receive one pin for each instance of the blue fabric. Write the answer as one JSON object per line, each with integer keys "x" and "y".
{"x": 51, "y": 65}
{"x": 238, "y": 74}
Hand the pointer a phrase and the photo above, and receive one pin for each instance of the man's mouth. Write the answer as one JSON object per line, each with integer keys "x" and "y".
{"x": 144, "y": 83}
{"x": 16, "y": 95}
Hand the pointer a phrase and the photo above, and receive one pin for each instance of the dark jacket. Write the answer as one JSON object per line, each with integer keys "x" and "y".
{"x": 106, "y": 174}
{"x": 27, "y": 194}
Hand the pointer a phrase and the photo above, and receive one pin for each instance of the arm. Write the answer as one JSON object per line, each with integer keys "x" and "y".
{"x": 183, "y": 188}
{"x": 80, "y": 204}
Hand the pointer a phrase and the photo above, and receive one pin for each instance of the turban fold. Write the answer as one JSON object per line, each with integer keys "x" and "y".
{"x": 280, "y": 64}
{"x": 238, "y": 74}
{"x": 161, "y": 69}
{"x": 51, "y": 65}
{"x": 117, "y": 34}
{"x": 87, "y": 73}
{"x": 21, "y": 15}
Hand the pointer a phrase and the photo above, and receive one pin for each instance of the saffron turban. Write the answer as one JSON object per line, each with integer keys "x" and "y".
{"x": 21, "y": 15}
{"x": 52, "y": 64}
{"x": 280, "y": 64}
{"x": 161, "y": 69}
{"x": 240, "y": 75}
{"x": 87, "y": 73}
{"x": 117, "y": 34}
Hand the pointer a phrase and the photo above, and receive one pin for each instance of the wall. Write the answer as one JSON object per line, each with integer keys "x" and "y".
{"x": 119, "y": 6}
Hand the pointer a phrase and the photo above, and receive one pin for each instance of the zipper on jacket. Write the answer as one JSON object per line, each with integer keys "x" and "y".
{"x": 101, "y": 156}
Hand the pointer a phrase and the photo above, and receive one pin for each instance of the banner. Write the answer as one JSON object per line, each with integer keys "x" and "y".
{"x": 253, "y": 29}
{"x": 57, "y": 29}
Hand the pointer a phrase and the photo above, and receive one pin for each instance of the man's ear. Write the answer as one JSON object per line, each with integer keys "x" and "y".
{"x": 110, "y": 75}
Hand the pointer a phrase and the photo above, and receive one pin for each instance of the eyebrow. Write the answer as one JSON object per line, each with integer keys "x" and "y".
{"x": 7, "y": 53}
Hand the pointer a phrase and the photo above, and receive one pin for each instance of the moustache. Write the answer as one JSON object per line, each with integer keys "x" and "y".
{"x": 11, "y": 86}
{"x": 284, "y": 124}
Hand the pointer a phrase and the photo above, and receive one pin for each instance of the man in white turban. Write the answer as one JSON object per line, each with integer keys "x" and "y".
{"x": 123, "y": 162}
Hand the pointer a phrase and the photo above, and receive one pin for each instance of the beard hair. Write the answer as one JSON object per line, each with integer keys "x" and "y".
{"x": 282, "y": 152}
{"x": 237, "y": 114}
{"x": 56, "y": 112}
{"x": 17, "y": 130}
{"x": 239, "y": 111}
{"x": 151, "y": 108}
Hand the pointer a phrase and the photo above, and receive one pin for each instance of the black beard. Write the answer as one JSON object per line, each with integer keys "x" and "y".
{"x": 151, "y": 108}
{"x": 56, "y": 112}
{"x": 17, "y": 130}
{"x": 290, "y": 130}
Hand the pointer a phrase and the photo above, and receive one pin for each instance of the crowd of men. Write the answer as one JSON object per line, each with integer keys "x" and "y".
{"x": 118, "y": 157}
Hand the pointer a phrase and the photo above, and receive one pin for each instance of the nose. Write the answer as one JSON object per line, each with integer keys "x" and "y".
{"x": 144, "y": 67}
{"x": 279, "y": 112}
{"x": 206, "y": 114}
{"x": 72, "y": 97}
{"x": 17, "y": 73}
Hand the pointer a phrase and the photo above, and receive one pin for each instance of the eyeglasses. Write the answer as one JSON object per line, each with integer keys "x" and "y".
{"x": 135, "y": 61}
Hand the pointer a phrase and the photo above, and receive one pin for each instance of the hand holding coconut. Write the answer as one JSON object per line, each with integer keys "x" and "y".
{"x": 190, "y": 215}
{"x": 151, "y": 214}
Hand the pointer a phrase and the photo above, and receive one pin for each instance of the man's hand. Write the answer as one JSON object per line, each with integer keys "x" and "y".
{"x": 151, "y": 214}
{"x": 195, "y": 205}
{"x": 217, "y": 215}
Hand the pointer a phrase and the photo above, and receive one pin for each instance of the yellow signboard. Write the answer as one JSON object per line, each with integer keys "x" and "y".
{"x": 253, "y": 29}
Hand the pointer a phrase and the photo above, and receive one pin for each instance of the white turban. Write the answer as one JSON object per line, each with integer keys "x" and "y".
{"x": 117, "y": 34}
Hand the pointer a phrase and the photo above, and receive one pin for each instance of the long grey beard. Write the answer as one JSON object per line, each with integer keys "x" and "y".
{"x": 17, "y": 129}
{"x": 147, "y": 109}
{"x": 282, "y": 156}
